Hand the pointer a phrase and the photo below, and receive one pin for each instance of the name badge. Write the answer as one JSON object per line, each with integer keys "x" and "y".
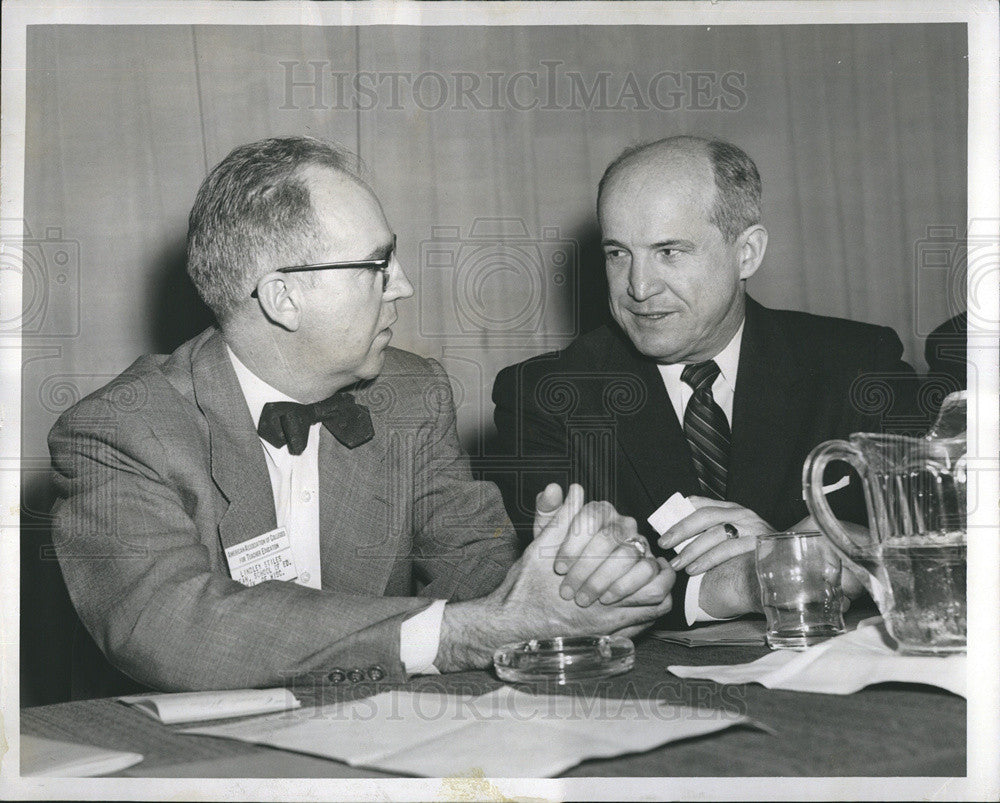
{"x": 265, "y": 557}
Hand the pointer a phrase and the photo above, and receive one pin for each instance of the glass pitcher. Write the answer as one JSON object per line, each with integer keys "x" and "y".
{"x": 914, "y": 554}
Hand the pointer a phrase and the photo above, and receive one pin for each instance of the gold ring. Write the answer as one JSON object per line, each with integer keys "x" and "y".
{"x": 731, "y": 531}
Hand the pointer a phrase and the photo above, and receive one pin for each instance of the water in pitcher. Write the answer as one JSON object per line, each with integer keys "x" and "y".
{"x": 926, "y": 574}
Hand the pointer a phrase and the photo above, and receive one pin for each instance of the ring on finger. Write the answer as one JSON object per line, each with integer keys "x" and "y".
{"x": 638, "y": 543}
{"x": 731, "y": 531}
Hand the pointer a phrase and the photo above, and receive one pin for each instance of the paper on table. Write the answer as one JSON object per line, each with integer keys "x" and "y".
{"x": 739, "y": 632}
{"x": 841, "y": 665}
{"x": 48, "y": 758}
{"x": 437, "y": 735}
{"x": 203, "y": 705}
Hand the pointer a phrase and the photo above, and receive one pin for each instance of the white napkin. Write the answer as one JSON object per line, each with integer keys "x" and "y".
{"x": 503, "y": 734}
{"x": 198, "y": 706}
{"x": 841, "y": 665}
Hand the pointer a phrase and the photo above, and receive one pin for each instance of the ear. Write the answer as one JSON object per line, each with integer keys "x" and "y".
{"x": 280, "y": 301}
{"x": 752, "y": 245}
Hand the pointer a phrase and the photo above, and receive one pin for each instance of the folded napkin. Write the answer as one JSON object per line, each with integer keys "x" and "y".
{"x": 738, "y": 632}
{"x": 199, "y": 706}
{"x": 841, "y": 665}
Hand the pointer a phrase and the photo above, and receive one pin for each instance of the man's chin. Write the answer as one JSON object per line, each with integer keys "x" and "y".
{"x": 656, "y": 348}
{"x": 372, "y": 367}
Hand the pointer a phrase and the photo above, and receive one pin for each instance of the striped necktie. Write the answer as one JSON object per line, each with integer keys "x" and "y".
{"x": 707, "y": 429}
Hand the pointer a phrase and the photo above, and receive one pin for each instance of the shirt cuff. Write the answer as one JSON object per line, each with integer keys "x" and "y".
{"x": 693, "y": 612}
{"x": 419, "y": 638}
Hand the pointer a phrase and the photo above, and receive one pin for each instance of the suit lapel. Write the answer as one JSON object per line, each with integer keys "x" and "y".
{"x": 768, "y": 414}
{"x": 237, "y": 459}
{"x": 357, "y": 537}
{"x": 651, "y": 438}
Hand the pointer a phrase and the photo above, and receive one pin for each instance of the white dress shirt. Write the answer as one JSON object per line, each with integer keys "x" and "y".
{"x": 680, "y": 394}
{"x": 295, "y": 485}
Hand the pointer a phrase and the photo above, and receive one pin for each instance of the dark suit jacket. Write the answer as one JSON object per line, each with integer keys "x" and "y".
{"x": 598, "y": 413}
{"x": 162, "y": 469}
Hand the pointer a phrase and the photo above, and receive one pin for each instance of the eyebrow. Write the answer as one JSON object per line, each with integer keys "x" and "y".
{"x": 672, "y": 244}
{"x": 382, "y": 251}
{"x": 655, "y": 246}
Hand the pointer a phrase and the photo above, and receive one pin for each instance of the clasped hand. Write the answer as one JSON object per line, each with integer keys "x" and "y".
{"x": 590, "y": 546}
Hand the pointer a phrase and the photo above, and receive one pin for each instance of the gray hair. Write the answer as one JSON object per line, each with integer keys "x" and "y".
{"x": 253, "y": 213}
{"x": 736, "y": 205}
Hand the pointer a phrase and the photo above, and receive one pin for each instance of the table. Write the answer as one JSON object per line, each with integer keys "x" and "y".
{"x": 886, "y": 730}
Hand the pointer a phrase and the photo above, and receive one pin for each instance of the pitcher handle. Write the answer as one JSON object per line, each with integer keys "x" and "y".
{"x": 874, "y": 579}
{"x": 812, "y": 484}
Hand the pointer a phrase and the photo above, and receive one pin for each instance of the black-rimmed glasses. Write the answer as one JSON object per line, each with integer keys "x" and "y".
{"x": 381, "y": 265}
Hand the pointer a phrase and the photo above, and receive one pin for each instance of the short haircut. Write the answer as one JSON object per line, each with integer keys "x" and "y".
{"x": 736, "y": 205}
{"x": 253, "y": 213}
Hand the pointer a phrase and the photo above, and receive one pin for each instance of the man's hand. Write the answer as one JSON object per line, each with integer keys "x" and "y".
{"x": 598, "y": 556}
{"x": 732, "y": 589}
{"x": 713, "y": 545}
{"x": 529, "y": 603}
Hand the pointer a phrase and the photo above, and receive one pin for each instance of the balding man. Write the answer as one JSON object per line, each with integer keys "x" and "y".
{"x": 286, "y": 494}
{"x": 697, "y": 389}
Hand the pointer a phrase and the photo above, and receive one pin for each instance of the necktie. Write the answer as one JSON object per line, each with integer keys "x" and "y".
{"x": 707, "y": 429}
{"x": 287, "y": 423}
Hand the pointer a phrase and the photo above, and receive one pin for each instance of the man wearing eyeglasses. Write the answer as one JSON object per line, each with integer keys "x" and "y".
{"x": 285, "y": 494}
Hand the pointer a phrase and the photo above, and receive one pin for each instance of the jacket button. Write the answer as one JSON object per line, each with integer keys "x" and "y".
{"x": 355, "y": 675}
{"x": 337, "y": 676}
{"x": 376, "y": 673}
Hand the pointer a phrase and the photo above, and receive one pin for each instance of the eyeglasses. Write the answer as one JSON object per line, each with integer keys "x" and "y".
{"x": 381, "y": 265}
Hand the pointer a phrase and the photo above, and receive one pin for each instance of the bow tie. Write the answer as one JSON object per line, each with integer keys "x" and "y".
{"x": 287, "y": 423}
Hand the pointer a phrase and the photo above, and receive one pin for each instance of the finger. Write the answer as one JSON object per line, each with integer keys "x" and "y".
{"x": 652, "y": 592}
{"x": 656, "y": 594}
{"x": 589, "y": 519}
{"x": 706, "y": 501}
{"x": 620, "y": 563}
{"x": 553, "y": 531}
{"x": 697, "y": 522}
{"x": 605, "y": 544}
{"x": 625, "y": 585}
{"x": 699, "y": 546}
{"x": 727, "y": 550}
{"x": 547, "y": 503}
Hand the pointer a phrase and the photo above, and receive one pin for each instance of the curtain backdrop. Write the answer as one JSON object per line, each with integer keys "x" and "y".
{"x": 486, "y": 146}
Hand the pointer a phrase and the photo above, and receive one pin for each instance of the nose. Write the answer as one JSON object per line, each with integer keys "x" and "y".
{"x": 399, "y": 286}
{"x": 644, "y": 280}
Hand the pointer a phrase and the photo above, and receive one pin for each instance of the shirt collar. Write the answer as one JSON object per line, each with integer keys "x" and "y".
{"x": 256, "y": 391}
{"x": 728, "y": 360}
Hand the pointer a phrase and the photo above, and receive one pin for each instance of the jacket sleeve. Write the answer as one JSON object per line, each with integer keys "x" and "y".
{"x": 143, "y": 583}
{"x": 533, "y": 444}
{"x": 463, "y": 540}
{"x": 887, "y": 395}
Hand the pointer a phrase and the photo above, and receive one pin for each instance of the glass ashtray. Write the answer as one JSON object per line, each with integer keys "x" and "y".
{"x": 564, "y": 659}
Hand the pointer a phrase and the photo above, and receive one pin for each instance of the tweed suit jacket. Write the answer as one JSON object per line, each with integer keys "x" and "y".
{"x": 598, "y": 413}
{"x": 161, "y": 470}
